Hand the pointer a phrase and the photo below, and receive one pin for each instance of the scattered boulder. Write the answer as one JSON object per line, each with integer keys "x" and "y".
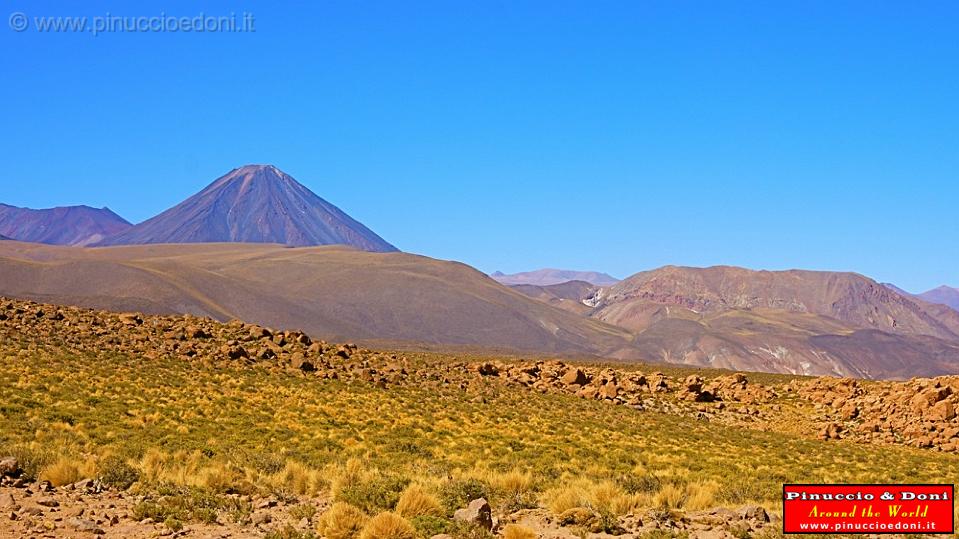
{"x": 832, "y": 431}
{"x": 574, "y": 377}
{"x": 609, "y": 390}
{"x": 753, "y": 512}
{"x": 84, "y": 525}
{"x": 693, "y": 384}
{"x": 48, "y": 502}
{"x": 9, "y": 467}
{"x": 299, "y": 361}
{"x": 487, "y": 369}
{"x": 8, "y": 503}
{"x": 942, "y": 411}
{"x": 131, "y": 319}
{"x": 478, "y": 513}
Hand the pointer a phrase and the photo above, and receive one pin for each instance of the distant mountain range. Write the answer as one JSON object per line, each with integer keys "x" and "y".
{"x": 251, "y": 204}
{"x": 801, "y": 322}
{"x": 943, "y": 295}
{"x": 795, "y": 322}
{"x": 549, "y": 276}
{"x": 254, "y": 204}
{"x": 69, "y": 225}
{"x": 208, "y": 256}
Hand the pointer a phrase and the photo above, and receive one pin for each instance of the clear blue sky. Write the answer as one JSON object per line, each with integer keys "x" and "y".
{"x": 614, "y": 136}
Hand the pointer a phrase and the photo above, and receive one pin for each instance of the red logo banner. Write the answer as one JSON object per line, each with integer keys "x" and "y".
{"x": 872, "y": 509}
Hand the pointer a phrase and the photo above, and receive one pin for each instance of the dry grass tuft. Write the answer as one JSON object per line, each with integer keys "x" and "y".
{"x": 341, "y": 521}
{"x": 298, "y": 479}
{"x": 388, "y": 525}
{"x": 416, "y": 502}
{"x": 701, "y": 495}
{"x": 515, "y": 531}
{"x": 65, "y": 471}
{"x": 670, "y": 496}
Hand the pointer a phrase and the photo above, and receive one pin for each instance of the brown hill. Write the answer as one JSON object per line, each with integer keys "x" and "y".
{"x": 568, "y": 295}
{"x": 802, "y": 322}
{"x": 332, "y": 292}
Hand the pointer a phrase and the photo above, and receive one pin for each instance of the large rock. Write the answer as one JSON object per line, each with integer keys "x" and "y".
{"x": 478, "y": 513}
{"x": 299, "y": 361}
{"x": 9, "y": 467}
{"x": 942, "y": 411}
{"x": 131, "y": 319}
{"x": 754, "y": 512}
{"x": 84, "y": 525}
{"x": 693, "y": 384}
{"x": 609, "y": 391}
{"x": 574, "y": 377}
{"x": 7, "y": 502}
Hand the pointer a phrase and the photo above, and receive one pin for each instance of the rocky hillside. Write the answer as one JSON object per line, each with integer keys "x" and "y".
{"x": 850, "y": 298}
{"x": 255, "y": 204}
{"x": 792, "y": 321}
{"x": 920, "y": 412}
{"x": 568, "y": 295}
{"x": 247, "y": 494}
{"x": 69, "y": 225}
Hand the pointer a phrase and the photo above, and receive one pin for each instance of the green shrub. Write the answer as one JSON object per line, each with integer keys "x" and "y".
{"x": 116, "y": 473}
{"x": 640, "y": 484}
{"x": 429, "y": 525}
{"x": 190, "y": 505}
{"x": 374, "y": 495}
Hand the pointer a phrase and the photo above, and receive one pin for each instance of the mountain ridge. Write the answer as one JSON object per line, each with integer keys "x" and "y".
{"x": 942, "y": 295}
{"x": 254, "y": 204}
{"x": 847, "y": 296}
{"x": 339, "y": 292}
{"x": 552, "y": 276}
{"x": 79, "y": 225}
{"x": 798, "y": 321}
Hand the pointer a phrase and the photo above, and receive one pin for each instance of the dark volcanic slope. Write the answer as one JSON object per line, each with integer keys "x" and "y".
{"x": 254, "y": 204}
{"x": 68, "y": 225}
{"x": 332, "y": 292}
{"x": 943, "y": 295}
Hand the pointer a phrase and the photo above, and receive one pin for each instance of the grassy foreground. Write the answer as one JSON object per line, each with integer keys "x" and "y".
{"x": 195, "y": 431}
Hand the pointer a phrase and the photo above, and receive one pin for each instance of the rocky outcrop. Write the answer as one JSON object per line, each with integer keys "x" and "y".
{"x": 920, "y": 412}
